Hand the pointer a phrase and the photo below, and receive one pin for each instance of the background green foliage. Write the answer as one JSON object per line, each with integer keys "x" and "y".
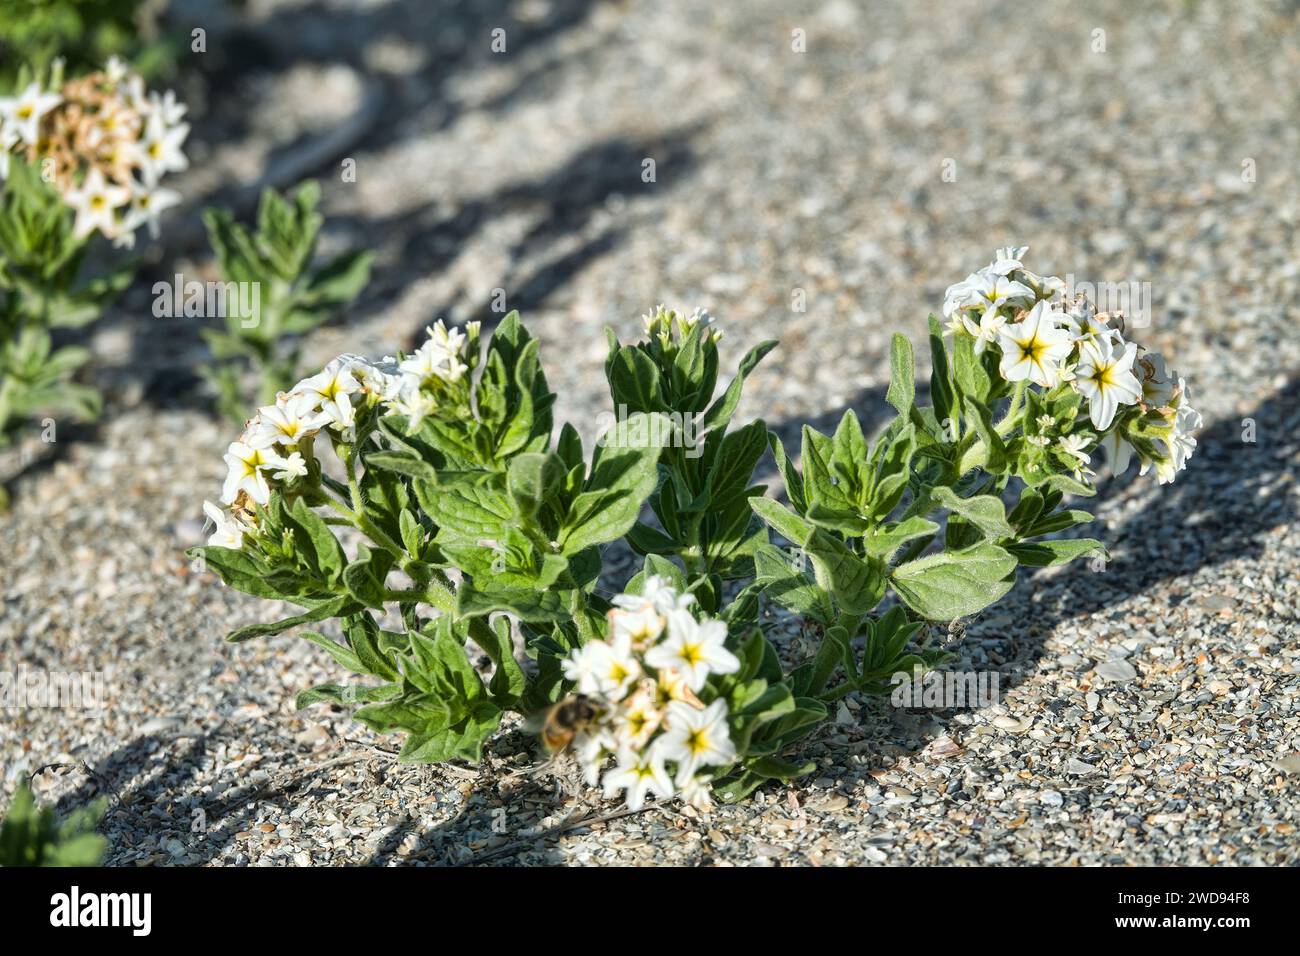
{"x": 30, "y": 835}
{"x": 295, "y": 296}
{"x": 42, "y": 287}
{"x": 83, "y": 32}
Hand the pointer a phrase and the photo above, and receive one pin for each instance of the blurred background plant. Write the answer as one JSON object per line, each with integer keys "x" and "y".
{"x": 31, "y": 836}
{"x": 78, "y": 157}
{"x": 272, "y": 269}
{"x": 83, "y": 33}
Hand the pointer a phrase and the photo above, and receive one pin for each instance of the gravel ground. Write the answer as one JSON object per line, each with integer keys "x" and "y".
{"x": 1148, "y": 712}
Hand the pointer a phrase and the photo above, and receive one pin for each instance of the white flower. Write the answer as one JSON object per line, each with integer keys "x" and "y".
{"x": 639, "y": 773}
{"x": 1119, "y": 453}
{"x": 986, "y": 330}
{"x": 413, "y": 402}
{"x": 23, "y": 112}
{"x": 293, "y": 417}
{"x": 94, "y": 202}
{"x": 1007, "y": 260}
{"x": 603, "y": 668}
{"x": 693, "y": 650}
{"x": 697, "y": 738}
{"x": 229, "y": 531}
{"x": 1086, "y": 324}
{"x": 166, "y": 107}
{"x": 697, "y": 793}
{"x": 1180, "y": 441}
{"x": 329, "y": 390}
{"x": 657, "y": 595}
{"x": 247, "y": 467}
{"x": 957, "y": 296}
{"x": 640, "y": 627}
{"x": 993, "y": 291}
{"x": 1105, "y": 377}
{"x": 438, "y": 357}
{"x": 593, "y": 747}
{"x": 1034, "y": 348}
{"x": 147, "y": 204}
{"x": 1157, "y": 382}
{"x": 638, "y": 718}
{"x": 1073, "y": 445}
{"x": 116, "y": 69}
{"x": 161, "y": 148}
{"x": 295, "y": 466}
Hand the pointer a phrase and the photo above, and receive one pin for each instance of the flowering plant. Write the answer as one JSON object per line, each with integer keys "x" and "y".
{"x": 76, "y": 158}
{"x": 464, "y": 515}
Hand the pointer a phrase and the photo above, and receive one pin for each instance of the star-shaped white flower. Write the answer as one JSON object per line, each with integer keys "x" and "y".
{"x": 694, "y": 650}
{"x": 606, "y": 669}
{"x": 329, "y": 390}
{"x": 147, "y": 204}
{"x": 293, "y": 417}
{"x": 248, "y": 467}
{"x": 637, "y": 719}
{"x": 1105, "y": 377}
{"x": 1074, "y": 445}
{"x": 161, "y": 148}
{"x": 95, "y": 202}
{"x": 229, "y": 532}
{"x": 23, "y": 112}
{"x": 697, "y": 738}
{"x": 1034, "y": 348}
{"x": 639, "y": 773}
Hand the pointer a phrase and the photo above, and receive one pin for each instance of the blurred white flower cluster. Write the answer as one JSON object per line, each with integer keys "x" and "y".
{"x": 276, "y": 445}
{"x": 1052, "y": 341}
{"x": 644, "y": 682}
{"x": 104, "y": 141}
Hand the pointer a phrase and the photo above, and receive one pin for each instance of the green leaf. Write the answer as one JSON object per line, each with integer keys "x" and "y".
{"x": 855, "y": 583}
{"x": 328, "y": 610}
{"x": 884, "y": 542}
{"x": 954, "y": 584}
{"x": 1047, "y": 554}
{"x": 986, "y": 512}
{"x": 720, "y": 412}
{"x": 734, "y": 465}
{"x": 781, "y": 519}
{"x": 362, "y": 580}
{"x": 941, "y": 392}
{"x": 902, "y": 375}
{"x": 403, "y": 463}
{"x": 623, "y": 474}
{"x": 530, "y": 606}
{"x": 789, "y": 587}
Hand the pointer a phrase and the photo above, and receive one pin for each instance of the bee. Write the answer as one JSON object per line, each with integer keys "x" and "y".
{"x": 565, "y": 720}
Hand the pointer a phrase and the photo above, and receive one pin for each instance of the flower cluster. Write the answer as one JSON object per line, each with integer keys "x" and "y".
{"x": 1055, "y": 343}
{"x": 104, "y": 142}
{"x": 275, "y": 447}
{"x": 645, "y": 682}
